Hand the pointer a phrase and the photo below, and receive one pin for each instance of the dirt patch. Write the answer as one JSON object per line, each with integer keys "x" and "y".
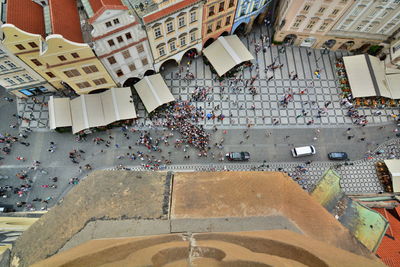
{"x": 109, "y": 195}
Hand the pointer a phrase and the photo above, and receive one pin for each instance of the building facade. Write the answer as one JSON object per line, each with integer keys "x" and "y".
{"x": 18, "y": 78}
{"x": 393, "y": 56}
{"x": 218, "y": 18}
{"x": 307, "y": 22}
{"x": 120, "y": 42}
{"x": 249, "y": 11}
{"x": 337, "y": 24}
{"x": 173, "y": 28}
{"x": 367, "y": 23}
{"x": 49, "y": 40}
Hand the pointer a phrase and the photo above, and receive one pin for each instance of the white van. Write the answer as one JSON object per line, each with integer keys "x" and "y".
{"x": 303, "y": 151}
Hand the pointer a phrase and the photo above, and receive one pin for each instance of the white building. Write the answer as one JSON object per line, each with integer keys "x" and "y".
{"x": 119, "y": 41}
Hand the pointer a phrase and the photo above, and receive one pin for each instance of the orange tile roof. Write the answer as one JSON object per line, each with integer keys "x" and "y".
{"x": 168, "y": 10}
{"x": 26, "y": 15}
{"x": 389, "y": 249}
{"x": 65, "y": 19}
{"x": 98, "y": 4}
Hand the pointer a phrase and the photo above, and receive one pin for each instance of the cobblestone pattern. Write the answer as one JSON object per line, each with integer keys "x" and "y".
{"x": 357, "y": 177}
{"x": 295, "y": 60}
{"x": 26, "y": 107}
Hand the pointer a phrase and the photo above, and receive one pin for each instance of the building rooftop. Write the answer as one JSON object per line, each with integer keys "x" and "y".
{"x": 65, "y": 23}
{"x": 168, "y": 10}
{"x": 389, "y": 249}
{"x": 26, "y": 15}
{"x": 94, "y": 8}
{"x": 141, "y": 7}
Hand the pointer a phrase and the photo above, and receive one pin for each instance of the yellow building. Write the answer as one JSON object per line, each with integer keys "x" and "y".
{"x": 62, "y": 57}
{"x": 173, "y": 28}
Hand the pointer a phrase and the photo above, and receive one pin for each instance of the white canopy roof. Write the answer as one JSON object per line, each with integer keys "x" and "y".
{"x": 59, "y": 112}
{"x": 153, "y": 92}
{"x": 226, "y": 52}
{"x": 367, "y": 77}
{"x": 89, "y": 111}
{"x": 393, "y": 166}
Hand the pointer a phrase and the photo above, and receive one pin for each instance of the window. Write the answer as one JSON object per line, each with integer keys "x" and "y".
{"x": 20, "y": 47}
{"x": 10, "y": 81}
{"x": 10, "y": 64}
{"x": 193, "y": 37}
{"x": 108, "y": 24}
{"x": 306, "y": 8}
{"x": 72, "y": 73}
{"x": 228, "y": 20}
{"x": 172, "y": 46}
{"x": 120, "y": 39}
{"x": 33, "y": 44}
{"x": 310, "y": 25}
{"x": 83, "y": 85}
{"x": 323, "y": 26}
{"x": 126, "y": 54}
{"x": 19, "y": 79}
{"x": 209, "y": 29}
{"x": 111, "y": 60}
{"x": 161, "y": 51}
{"x": 231, "y": 3}
{"x": 192, "y": 16}
{"x": 36, "y": 62}
{"x": 27, "y": 76}
{"x": 170, "y": 27}
{"x": 297, "y": 23}
{"x": 119, "y": 73}
{"x": 356, "y": 11}
{"x": 99, "y": 81}
{"x": 140, "y": 48}
{"x": 369, "y": 27}
{"x": 221, "y": 7}
{"x": 90, "y": 69}
{"x": 116, "y": 21}
{"x": 62, "y": 58}
{"x": 145, "y": 61}
{"x": 181, "y": 21}
{"x": 111, "y": 42}
{"x": 343, "y": 1}
{"x": 335, "y": 11}
{"x": 2, "y": 67}
{"x": 321, "y": 10}
{"x": 75, "y": 55}
{"x": 359, "y": 27}
{"x": 132, "y": 67}
{"x": 211, "y": 11}
{"x": 182, "y": 41}
{"x": 218, "y": 25}
{"x": 157, "y": 32}
{"x": 383, "y": 14}
{"x": 50, "y": 74}
{"x": 128, "y": 35}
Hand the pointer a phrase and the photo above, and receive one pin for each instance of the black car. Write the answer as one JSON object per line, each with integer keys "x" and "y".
{"x": 338, "y": 156}
{"x": 238, "y": 156}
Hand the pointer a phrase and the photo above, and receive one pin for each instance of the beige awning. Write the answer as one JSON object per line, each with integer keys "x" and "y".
{"x": 59, "y": 112}
{"x": 227, "y": 52}
{"x": 153, "y": 91}
{"x": 393, "y": 166}
{"x": 368, "y": 77}
{"x": 394, "y": 84}
{"x": 87, "y": 111}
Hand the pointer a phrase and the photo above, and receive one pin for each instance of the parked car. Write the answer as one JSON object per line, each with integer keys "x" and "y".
{"x": 238, "y": 156}
{"x": 303, "y": 151}
{"x": 337, "y": 156}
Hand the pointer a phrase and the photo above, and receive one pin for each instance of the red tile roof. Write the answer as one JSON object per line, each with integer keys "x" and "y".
{"x": 168, "y": 10}
{"x": 389, "y": 249}
{"x": 98, "y": 4}
{"x": 65, "y": 19}
{"x": 26, "y": 15}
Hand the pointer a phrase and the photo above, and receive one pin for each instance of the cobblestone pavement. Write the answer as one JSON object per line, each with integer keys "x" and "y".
{"x": 237, "y": 106}
{"x": 37, "y": 113}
